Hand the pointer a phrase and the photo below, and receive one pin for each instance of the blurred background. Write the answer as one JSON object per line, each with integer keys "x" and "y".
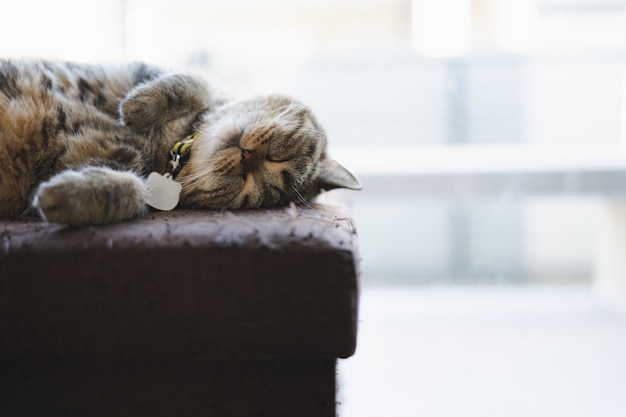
{"x": 490, "y": 137}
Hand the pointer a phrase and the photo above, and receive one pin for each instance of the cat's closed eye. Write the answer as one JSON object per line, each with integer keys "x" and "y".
{"x": 278, "y": 158}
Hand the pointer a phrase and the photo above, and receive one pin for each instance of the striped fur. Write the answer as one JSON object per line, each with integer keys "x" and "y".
{"x": 77, "y": 141}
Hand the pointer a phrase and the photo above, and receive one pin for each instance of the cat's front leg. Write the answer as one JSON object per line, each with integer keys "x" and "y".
{"x": 92, "y": 195}
{"x": 151, "y": 106}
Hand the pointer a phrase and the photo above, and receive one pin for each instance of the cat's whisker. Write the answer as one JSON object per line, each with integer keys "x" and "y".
{"x": 288, "y": 113}
{"x": 200, "y": 131}
{"x": 301, "y": 198}
{"x": 194, "y": 179}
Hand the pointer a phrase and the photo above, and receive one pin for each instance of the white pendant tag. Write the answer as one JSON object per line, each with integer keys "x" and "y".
{"x": 163, "y": 191}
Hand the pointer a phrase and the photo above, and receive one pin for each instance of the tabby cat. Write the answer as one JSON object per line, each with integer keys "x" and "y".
{"x": 77, "y": 143}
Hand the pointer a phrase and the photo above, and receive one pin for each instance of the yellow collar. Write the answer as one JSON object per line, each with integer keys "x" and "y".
{"x": 182, "y": 146}
{"x": 179, "y": 150}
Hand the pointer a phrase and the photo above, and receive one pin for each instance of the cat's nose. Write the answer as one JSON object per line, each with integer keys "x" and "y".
{"x": 246, "y": 155}
{"x": 250, "y": 159}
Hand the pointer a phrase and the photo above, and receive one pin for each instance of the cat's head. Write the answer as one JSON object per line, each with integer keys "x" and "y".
{"x": 263, "y": 152}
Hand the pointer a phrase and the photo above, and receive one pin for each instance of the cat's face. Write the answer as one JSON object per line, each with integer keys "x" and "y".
{"x": 263, "y": 152}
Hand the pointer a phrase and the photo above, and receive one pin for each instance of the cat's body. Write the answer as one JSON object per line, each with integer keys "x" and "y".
{"x": 77, "y": 142}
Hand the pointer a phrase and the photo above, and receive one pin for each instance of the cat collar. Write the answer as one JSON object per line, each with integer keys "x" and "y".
{"x": 180, "y": 153}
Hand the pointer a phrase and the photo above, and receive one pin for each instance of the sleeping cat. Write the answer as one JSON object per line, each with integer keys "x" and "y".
{"x": 78, "y": 142}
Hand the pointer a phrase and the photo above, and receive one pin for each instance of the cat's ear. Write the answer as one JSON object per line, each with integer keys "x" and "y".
{"x": 333, "y": 175}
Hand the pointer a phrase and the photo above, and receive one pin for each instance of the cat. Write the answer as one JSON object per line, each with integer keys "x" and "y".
{"x": 78, "y": 141}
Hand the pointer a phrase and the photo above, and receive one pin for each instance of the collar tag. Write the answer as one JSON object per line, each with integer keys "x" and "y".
{"x": 163, "y": 190}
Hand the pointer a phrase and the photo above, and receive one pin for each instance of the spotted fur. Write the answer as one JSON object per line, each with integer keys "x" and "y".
{"x": 77, "y": 141}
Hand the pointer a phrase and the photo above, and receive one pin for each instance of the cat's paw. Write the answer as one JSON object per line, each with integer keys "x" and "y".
{"x": 157, "y": 102}
{"x": 92, "y": 195}
{"x": 140, "y": 110}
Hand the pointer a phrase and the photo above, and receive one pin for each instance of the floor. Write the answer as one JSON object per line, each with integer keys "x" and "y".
{"x": 486, "y": 351}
